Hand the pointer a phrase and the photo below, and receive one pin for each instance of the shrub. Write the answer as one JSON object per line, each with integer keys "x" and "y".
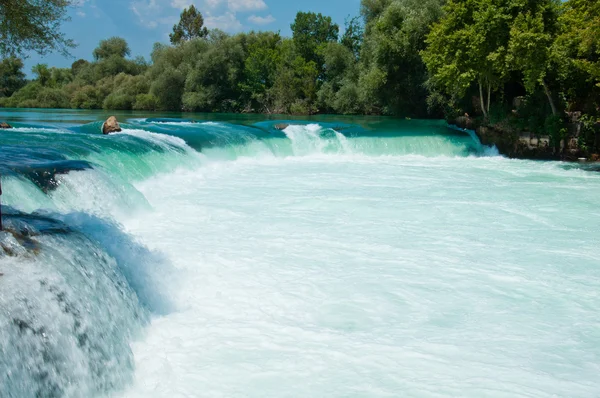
{"x": 53, "y": 98}
{"x": 86, "y": 98}
{"x": 145, "y": 102}
{"x": 118, "y": 101}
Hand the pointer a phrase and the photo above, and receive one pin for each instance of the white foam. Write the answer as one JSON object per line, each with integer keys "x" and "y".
{"x": 163, "y": 140}
{"x": 351, "y": 275}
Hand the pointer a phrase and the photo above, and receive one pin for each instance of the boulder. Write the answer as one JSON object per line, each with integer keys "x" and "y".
{"x": 4, "y": 125}
{"x": 111, "y": 126}
{"x": 281, "y": 126}
{"x": 465, "y": 122}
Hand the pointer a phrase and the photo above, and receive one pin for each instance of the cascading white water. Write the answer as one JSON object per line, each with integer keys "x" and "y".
{"x": 67, "y": 315}
{"x": 311, "y": 264}
{"x": 354, "y": 275}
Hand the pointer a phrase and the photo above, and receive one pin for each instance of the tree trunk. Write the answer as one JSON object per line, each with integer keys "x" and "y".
{"x": 489, "y": 96}
{"x": 481, "y": 100}
{"x": 549, "y": 95}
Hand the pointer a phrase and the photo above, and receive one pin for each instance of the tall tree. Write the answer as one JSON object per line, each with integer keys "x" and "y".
{"x": 352, "y": 38}
{"x": 260, "y": 68}
{"x": 190, "y": 26}
{"x": 12, "y": 77}
{"x": 393, "y": 75}
{"x": 532, "y": 35}
{"x": 33, "y": 25}
{"x": 468, "y": 46}
{"x": 42, "y": 73}
{"x": 311, "y": 33}
{"x": 579, "y": 44}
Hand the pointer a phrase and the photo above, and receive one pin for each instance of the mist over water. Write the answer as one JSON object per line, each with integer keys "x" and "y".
{"x": 218, "y": 259}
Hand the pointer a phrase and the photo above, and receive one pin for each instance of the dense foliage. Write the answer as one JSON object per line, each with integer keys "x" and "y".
{"x": 532, "y": 61}
{"x": 33, "y": 25}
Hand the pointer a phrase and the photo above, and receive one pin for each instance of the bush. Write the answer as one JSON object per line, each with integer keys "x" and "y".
{"x": 53, "y": 98}
{"x": 29, "y": 92}
{"x": 7, "y": 102}
{"x": 29, "y": 103}
{"x": 555, "y": 128}
{"x": 301, "y": 107}
{"x": 118, "y": 101}
{"x": 193, "y": 101}
{"x": 145, "y": 102}
{"x": 86, "y": 98}
{"x": 346, "y": 100}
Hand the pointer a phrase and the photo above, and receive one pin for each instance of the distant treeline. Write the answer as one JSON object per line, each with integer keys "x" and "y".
{"x": 415, "y": 58}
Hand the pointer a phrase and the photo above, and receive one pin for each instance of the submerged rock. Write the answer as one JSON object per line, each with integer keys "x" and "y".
{"x": 46, "y": 177}
{"x": 465, "y": 122}
{"x": 111, "y": 125}
{"x": 10, "y": 246}
{"x": 20, "y": 237}
{"x": 4, "y": 125}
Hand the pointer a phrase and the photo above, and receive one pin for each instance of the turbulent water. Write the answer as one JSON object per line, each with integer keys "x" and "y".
{"x": 223, "y": 257}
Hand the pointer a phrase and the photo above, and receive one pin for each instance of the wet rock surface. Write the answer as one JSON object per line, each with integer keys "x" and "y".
{"x": 111, "y": 125}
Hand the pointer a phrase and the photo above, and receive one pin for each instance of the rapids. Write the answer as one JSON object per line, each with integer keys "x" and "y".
{"x": 221, "y": 257}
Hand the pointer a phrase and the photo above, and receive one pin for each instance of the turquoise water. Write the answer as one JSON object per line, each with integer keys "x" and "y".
{"x": 337, "y": 258}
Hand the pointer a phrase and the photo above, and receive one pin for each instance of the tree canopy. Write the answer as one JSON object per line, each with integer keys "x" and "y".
{"x": 115, "y": 46}
{"x": 190, "y": 26}
{"x": 33, "y": 25}
{"x": 12, "y": 77}
{"x": 311, "y": 32}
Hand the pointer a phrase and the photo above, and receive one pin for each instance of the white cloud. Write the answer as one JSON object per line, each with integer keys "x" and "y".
{"x": 220, "y": 14}
{"x": 261, "y": 20}
{"x": 235, "y": 5}
{"x": 147, "y": 12}
{"x": 79, "y": 4}
{"x": 212, "y": 3}
{"x": 227, "y": 22}
{"x": 181, "y": 4}
{"x": 246, "y": 5}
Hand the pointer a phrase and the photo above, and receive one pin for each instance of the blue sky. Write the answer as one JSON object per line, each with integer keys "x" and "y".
{"x": 144, "y": 22}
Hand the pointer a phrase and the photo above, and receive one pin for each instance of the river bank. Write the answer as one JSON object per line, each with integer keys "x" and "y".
{"x": 518, "y": 143}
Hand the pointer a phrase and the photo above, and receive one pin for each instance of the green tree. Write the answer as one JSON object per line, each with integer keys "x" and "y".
{"x": 311, "y": 32}
{"x": 42, "y": 73}
{"x": 579, "y": 45}
{"x": 78, "y": 65}
{"x": 168, "y": 89}
{"x": 341, "y": 72}
{"x": 372, "y": 9}
{"x": 581, "y": 20}
{"x": 60, "y": 76}
{"x": 12, "y": 77}
{"x": 352, "y": 38}
{"x": 532, "y": 35}
{"x": 260, "y": 69}
{"x": 392, "y": 71}
{"x": 468, "y": 46}
{"x": 115, "y": 46}
{"x": 33, "y": 25}
{"x": 295, "y": 88}
{"x": 190, "y": 26}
